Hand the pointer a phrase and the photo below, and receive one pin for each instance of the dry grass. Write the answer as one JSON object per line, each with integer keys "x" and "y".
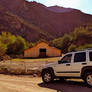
{"x": 38, "y": 60}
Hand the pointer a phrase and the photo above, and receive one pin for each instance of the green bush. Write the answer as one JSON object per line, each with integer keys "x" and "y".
{"x": 80, "y": 38}
{"x": 62, "y": 43}
{"x": 11, "y": 44}
{"x": 7, "y": 38}
{"x": 18, "y": 46}
{"x": 3, "y": 49}
{"x": 72, "y": 48}
{"x": 84, "y": 46}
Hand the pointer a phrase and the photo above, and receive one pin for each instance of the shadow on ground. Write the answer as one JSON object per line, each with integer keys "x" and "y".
{"x": 67, "y": 86}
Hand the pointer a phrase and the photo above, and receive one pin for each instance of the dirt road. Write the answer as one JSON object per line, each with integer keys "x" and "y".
{"x": 29, "y": 84}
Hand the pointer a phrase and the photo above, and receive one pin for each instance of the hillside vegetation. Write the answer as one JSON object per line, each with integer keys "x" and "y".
{"x": 79, "y": 39}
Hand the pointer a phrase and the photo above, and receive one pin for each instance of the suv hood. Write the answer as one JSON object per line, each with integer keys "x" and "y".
{"x": 50, "y": 65}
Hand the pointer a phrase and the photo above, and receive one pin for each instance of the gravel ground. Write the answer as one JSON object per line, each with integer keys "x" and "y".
{"x": 34, "y": 84}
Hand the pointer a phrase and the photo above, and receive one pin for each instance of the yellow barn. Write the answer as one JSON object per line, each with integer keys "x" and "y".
{"x": 42, "y": 49}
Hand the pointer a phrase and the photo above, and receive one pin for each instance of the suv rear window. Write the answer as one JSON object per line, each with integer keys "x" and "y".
{"x": 90, "y": 56}
{"x": 80, "y": 57}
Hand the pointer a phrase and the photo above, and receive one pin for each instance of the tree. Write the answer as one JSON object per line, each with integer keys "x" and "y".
{"x": 80, "y": 38}
{"x": 18, "y": 46}
{"x": 84, "y": 46}
{"x": 3, "y": 49}
{"x": 72, "y": 48}
{"x": 7, "y": 38}
{"x": 63, "y": 42}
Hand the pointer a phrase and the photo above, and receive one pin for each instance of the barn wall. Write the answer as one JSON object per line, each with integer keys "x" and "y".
{"x": 31, "y": 52}
{"x": 34, "y": 52}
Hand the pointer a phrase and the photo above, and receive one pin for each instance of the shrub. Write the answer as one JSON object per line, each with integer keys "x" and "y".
{"x": 84, "y": 47}
{"x": 63, "y": 42}
{"x": 2, "y": 51}
{"x": 15, "y": 44}
{"x": 76, "y": 40}
{"x": 72, "y": 48}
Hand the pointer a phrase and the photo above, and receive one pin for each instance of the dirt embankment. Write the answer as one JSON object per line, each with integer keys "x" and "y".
{"x": 25, "y": 66}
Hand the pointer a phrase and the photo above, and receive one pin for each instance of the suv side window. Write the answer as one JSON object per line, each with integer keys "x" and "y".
{"x": 66, "y": 59}
{"x": 90, "y": 56}
{"x": 80, "y": 57}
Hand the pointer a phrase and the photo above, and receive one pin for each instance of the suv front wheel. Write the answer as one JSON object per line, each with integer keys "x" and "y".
{"x": 47, "y": 76}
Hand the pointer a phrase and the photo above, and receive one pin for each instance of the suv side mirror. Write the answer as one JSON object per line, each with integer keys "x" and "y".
{"x": 60, "y": 61}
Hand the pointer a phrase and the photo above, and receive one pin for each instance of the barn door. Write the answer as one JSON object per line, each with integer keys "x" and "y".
{"x": 42, "y": 52}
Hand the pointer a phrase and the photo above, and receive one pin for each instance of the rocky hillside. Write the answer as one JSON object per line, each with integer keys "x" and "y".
{"x": 36, "y": 21}
{"x": 10, "y": 22}
{"x": 59, "y": 9}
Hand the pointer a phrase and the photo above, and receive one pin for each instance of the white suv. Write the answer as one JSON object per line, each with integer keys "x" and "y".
{"x": 72, "y": 65}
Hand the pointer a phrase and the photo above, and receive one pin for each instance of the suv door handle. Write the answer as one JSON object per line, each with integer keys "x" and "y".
{"x": 84, "y": 63}
{"x": 67, "y": 64}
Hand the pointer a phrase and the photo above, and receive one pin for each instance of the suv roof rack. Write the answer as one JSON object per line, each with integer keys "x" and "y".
{"x": 85, "y": 49}
{"x": 88, "y": 49}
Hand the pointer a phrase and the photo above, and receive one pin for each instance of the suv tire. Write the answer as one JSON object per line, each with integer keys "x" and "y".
{"x": 62, "y": 79}
{"x": 88, "y": 79}
{"x": 47, "y": 76}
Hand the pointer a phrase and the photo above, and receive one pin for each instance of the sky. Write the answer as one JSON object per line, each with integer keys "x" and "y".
{"x": 83, "y": 5}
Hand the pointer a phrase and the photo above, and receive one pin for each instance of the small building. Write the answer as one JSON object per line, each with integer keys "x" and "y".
{"x": 42, "y": 49}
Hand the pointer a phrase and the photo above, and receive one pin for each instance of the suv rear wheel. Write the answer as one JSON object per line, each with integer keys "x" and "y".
{"x": 47, "y": 76}
{"x": 88, "y": 79}
{"x": 62, "y": 79}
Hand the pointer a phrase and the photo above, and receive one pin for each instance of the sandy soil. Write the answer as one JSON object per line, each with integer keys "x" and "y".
{"x": 34, "y": 84}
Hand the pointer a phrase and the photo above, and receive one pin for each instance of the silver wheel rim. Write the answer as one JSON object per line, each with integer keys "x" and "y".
{"x": 89, "y": 79}
{"x": 47, "y": 77}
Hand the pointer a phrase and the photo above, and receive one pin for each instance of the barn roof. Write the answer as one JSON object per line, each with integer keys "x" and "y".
{"x": 42, "y": 42}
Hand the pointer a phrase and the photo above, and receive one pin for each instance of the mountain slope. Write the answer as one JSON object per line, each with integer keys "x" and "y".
{"x": 51, "y": 23}
{"x": 13, "y": 5}
{"x": 18, "y": 26}
{"x": 58, "y": 9}
{"x": 54, "y": 23}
